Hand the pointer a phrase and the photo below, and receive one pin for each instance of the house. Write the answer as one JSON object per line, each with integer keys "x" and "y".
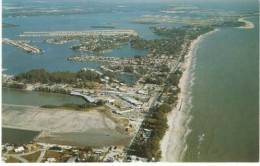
{"x": 20, "y": 149}
{"x": 51, "y": 160}
{"x": 9, "y": 147}
{"x": 147, "y": 133}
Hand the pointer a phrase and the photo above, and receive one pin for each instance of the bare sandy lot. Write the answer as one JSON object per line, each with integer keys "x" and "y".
{"x": 91, "y": 128}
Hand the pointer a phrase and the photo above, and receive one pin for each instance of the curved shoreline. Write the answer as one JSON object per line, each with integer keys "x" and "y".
{"x": 173, "y": 145}
{"x": 248, "y": 24}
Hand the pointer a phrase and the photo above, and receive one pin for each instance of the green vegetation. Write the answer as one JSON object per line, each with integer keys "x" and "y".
{"x": 53, "y": 154}
{"x": 230, "y": 24}
{"x": 32, "y": 157}
{"x": 174, "y": 78}
{"x": 153, "y": 80}
{"x": 97, "y": 44}
{"x": 12, "y": 160}
{"x": 71, "y": 106}
{"x": 186, "y": 32}
{"x": 172, "y": 95}
{"x": 129, "y": 69}
{"x": 52, "y": 90}
{"x": 45, "y": 77}
{"x": 172, "y": 44}
{"x": 157, "y": 122}
{"x": 141, "y": 70}
{"x": 15, "y": 85}
{"x": 164, "y": 68}
{"x": 86, "y": 150}
{"x": 172, "y": 41}
{"x": 102, "y": 27}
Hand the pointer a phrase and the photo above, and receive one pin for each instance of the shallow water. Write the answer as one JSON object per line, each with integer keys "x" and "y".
{"x": 23, "y": 97}
{"x": 17, "y": 136}
{"x": 93, "y": 138}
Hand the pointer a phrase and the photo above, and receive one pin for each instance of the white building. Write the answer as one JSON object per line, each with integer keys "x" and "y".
{"x": 20, "y": 149}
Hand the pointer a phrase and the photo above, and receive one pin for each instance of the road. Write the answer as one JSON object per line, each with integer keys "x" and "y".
{"x": 43, "y": 151}
{"x": 158, "y": 95}
{"x": 20, "y": 156}
{"x": 153, "y": 103}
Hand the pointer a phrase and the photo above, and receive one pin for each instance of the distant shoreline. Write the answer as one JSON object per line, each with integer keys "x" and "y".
{"x": 171, "y": 146}
{"x": 248, "y": 24}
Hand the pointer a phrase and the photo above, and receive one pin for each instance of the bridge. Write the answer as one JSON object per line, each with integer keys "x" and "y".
{"x": 85, "y": 97}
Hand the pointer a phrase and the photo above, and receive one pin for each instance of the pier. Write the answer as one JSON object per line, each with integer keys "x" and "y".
{"x": 22, "y": 45}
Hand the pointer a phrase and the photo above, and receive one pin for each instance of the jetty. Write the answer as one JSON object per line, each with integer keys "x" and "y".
{"x": 23, "y": 45}
{"x": 80, "y": 33}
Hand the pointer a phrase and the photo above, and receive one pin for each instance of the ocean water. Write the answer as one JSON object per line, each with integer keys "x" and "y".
{"x": 225, "y": 110}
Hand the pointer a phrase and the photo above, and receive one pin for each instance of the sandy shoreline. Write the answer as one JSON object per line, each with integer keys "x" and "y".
{"x": 173, "y": 144}
{"x": 249, "y": 24}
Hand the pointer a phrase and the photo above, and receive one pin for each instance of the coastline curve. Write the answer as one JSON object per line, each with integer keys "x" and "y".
{"x": 173, "y": 145}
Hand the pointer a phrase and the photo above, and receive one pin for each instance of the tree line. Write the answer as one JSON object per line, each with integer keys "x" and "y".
{"x": 66, "y": 77}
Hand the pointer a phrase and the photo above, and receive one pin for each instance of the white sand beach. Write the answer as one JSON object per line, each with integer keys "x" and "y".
{"x": 173, "y": 144}
{"x": 248, "y": 24}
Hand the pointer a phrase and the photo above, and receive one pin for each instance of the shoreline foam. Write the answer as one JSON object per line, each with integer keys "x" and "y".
{"x": 173, "y": 145}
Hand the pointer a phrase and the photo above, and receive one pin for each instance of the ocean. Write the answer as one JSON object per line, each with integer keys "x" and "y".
{"x": 224, "y": 107}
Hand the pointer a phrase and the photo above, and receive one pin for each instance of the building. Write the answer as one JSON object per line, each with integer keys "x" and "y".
{"x": 20, "y": 149}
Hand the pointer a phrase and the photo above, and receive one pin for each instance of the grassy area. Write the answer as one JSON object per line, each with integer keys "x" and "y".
{"x": 12, "y": 160}
{"x": 60, "y": 157}
{"x": 77, "y": 107}
{"x": 53, "y": 154}
{"x": 32, "y": 157}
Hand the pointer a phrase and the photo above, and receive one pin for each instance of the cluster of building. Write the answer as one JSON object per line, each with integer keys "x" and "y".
{"x": 149, "y": 64}
{"x": 49, "y": 153}
{"x": 130, "y": 102}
